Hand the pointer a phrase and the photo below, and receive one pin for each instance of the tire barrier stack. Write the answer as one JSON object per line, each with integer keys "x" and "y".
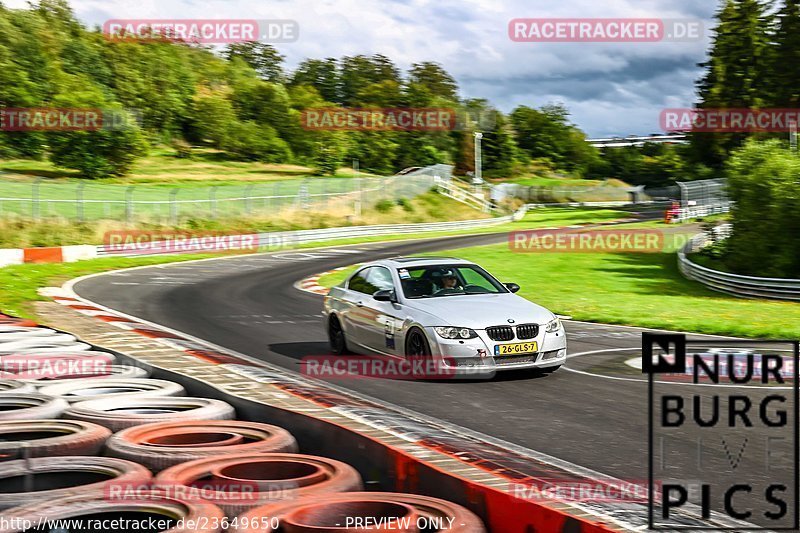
{"x": 123, "y": 446}
{"x": 162, "y": 445}
{"x": 30, "y": 406}
{"x": 132, "y": 411}
{"x": 48, "y": 438}
{"x": 77, "y": 390}
{"x": 239, "y": 482}
{"x": 206, "y": 517}
{"x": 48, "y": 478}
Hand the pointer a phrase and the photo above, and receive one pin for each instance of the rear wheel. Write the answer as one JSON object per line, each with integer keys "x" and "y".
{"x": 336, "y": 337}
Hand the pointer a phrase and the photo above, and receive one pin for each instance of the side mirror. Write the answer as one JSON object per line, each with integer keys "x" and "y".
{"x": 385, "y": 295}
{"x": 513, "y": 287}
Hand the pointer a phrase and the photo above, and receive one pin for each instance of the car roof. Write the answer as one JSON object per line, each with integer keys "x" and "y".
{"x": 406, "y": 262}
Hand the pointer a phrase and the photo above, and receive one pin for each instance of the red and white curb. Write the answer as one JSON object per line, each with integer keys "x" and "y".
{"x": 311, "y": 283}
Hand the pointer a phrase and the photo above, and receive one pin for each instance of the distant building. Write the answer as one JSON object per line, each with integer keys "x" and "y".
{"x": 637, "y": 140}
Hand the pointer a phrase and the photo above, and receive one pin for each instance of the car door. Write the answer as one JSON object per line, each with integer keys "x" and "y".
{"x": 356, "y": 316}
{"x": 381, "y": 317}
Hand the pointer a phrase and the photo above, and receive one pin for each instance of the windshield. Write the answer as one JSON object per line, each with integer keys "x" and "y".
{"x": 447, "y": 280}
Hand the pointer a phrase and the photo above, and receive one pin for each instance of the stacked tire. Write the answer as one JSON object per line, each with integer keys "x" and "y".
{"x": 125, "y": 446}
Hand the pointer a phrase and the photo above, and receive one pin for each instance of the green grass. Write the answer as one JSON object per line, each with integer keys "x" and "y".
{"x": 534, "y": 219}
{"x": 565, "y": 182}
{"x": 636, "y": 289}
{"x": 19, "y": 283}
{"x": 162, "y": 167}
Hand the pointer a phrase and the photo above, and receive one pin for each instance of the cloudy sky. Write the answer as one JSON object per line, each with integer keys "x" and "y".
{"x": 609, "y": 88}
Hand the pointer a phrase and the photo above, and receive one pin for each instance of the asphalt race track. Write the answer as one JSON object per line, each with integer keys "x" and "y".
{"x": 591, "y": 413}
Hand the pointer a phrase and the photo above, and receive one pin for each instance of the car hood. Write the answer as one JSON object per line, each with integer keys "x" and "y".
{"x": 479, "y": 311}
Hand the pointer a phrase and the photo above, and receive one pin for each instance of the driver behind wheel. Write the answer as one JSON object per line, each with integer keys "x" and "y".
{"x": 449, "y": 280}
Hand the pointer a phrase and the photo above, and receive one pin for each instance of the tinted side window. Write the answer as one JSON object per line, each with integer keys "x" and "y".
{"x": 359, "y": 282}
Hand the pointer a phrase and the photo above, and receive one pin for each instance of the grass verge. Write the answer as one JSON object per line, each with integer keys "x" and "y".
{"x": 427, "y": 207}
{"x": 19, "y": 284}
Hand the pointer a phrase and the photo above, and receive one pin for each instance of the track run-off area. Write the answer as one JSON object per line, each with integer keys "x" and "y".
{"x": 591, "y": 414}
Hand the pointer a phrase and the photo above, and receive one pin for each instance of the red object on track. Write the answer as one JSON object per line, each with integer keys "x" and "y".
{"x": 165, "y": 444}
{"x": 239, "y": 482}
{"x": 359, "y": 511}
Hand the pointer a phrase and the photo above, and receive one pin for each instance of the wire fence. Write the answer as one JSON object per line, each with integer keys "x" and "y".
{"x": 76, "y": 200}
{"x": 550, "y": 194}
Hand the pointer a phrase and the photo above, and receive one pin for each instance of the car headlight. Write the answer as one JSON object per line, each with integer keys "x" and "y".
{"x": 455, "y": 333}
{"x": 553, "y": 326}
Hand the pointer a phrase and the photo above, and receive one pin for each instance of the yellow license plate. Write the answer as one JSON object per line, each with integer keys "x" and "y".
{"x": 517, "y": 348}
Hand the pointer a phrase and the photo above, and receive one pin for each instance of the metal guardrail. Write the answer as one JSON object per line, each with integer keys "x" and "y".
{"x": 690, "y": 213}
{"x": 283, "y": 239}
{"x": 734, "y": 284}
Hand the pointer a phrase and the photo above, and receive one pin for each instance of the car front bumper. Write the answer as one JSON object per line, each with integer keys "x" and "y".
{"x": 468, "y": 356}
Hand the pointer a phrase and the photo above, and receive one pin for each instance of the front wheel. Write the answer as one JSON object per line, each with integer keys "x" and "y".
{"x": 336, "y": 337}
{"x": 417, "y": 344}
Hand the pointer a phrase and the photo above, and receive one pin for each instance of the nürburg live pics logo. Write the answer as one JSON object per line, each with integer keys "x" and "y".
{"x": 722, "y": 434}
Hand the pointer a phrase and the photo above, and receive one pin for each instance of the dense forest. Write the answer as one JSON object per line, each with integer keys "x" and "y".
{"x": 242, "y": 100}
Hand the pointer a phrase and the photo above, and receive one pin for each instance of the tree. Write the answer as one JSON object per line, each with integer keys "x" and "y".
{"x": 762, "y": 182}
{"x": 322, "y": 74}
{"x": 546, "y": 133}
{"x": 99, "y": 154}
{"x": 435, "y": 79}
{"x": 736, "y": 73}
{"x": 785, "y": 82}
{"x": 263, "y": 58}
{"x": 361, "y": 71}
{"x": 213, "y": 115}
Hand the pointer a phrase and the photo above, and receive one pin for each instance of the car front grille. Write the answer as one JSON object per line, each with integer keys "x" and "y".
{"x": 527, "y": 331}
{"x": 500, "y": 333}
